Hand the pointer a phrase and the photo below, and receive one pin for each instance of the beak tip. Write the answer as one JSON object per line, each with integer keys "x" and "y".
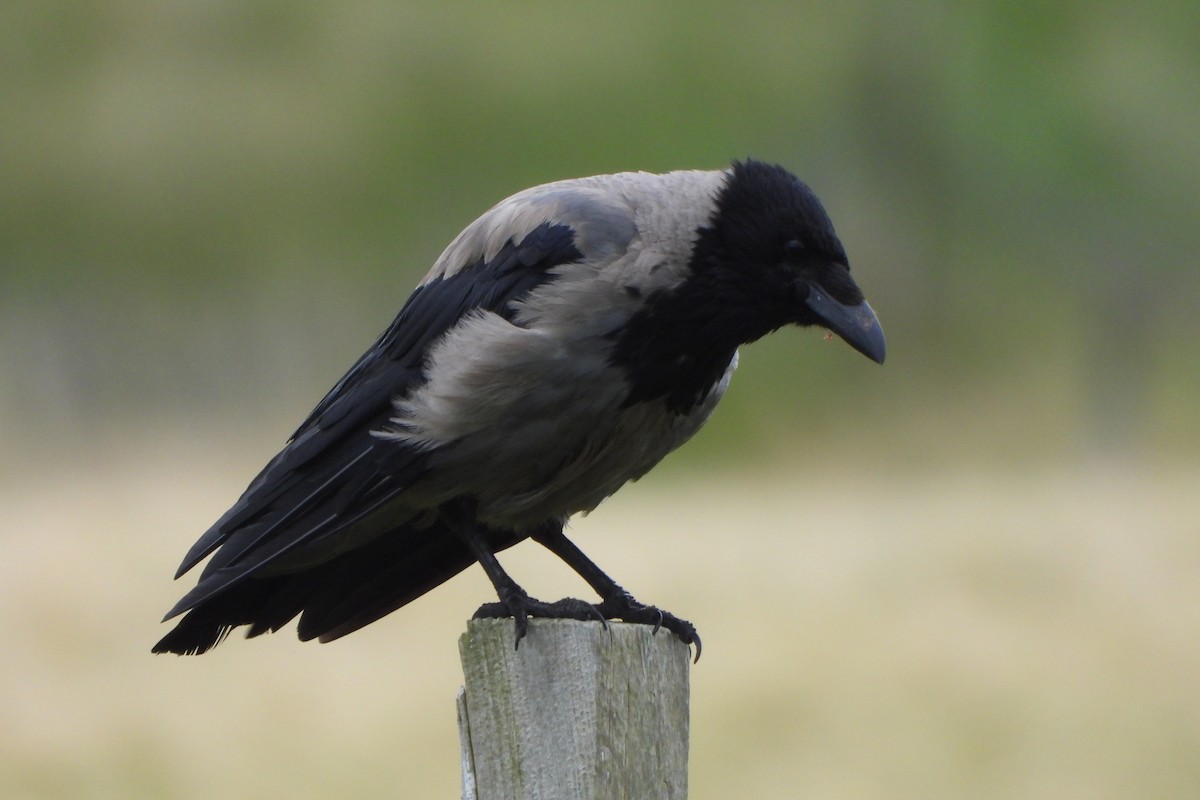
{"x": 864, "y": 332}
{"x": 857, "y": 325}
{"x": 875, "y": 347}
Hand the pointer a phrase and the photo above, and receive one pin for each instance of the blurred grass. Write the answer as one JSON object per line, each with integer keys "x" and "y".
{"x": 968, "y": 572}
{"x": 211, "y": 207}
{"x": 980, "y": 632}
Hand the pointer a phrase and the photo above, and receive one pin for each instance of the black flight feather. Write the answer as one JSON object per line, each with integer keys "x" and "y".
{"x": 334, "y": 473}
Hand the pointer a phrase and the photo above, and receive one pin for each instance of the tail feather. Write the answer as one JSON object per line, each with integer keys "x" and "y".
{"x": 334, "y": 598}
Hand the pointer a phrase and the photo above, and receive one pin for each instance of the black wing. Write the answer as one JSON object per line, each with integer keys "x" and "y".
{"x": 333, "y": 473}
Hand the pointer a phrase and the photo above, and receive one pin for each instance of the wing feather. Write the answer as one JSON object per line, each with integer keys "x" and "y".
{"x": 334, "y": 473}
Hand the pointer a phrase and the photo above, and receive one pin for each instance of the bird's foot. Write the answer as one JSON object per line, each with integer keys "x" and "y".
{"x": 521, "y": 607}
{"x": 623, "y": 607}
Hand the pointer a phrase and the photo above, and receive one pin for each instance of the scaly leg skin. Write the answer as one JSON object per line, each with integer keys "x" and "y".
{"x": 514, "y": 601}
{"x": 616, "y": 603}
{"x": 622, "y": 606}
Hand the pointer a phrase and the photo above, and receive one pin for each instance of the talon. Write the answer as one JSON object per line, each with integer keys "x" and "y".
{"x": 515, "y": 605}
{"x": 622, "y": 606}
{"x": 521, "y": 607}
{"x": 520, "y": 628}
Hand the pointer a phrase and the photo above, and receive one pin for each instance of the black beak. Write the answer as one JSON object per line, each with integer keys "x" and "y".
{"x": 858, "y": 324}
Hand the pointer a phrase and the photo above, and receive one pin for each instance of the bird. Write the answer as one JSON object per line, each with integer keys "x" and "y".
{"x": 562, "y": 345}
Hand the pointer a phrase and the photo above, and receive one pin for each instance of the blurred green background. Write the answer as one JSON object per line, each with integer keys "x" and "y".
{"x": 970, "y": 572}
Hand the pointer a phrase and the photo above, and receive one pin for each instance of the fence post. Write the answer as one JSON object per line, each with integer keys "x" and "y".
{"x": 579, "y": 712}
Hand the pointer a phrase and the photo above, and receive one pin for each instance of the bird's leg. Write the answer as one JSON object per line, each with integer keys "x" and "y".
{"x": 514, "y": 602}
{"x": 615, "y": 602}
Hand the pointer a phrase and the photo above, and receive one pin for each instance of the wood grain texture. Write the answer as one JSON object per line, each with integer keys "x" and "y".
{"x": 579, "y": 711}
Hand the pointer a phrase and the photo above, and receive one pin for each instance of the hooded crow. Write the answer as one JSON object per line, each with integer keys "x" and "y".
{"x": 562, "y": 345}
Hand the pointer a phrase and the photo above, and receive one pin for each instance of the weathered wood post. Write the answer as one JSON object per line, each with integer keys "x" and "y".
{"x": 579, "y": 711}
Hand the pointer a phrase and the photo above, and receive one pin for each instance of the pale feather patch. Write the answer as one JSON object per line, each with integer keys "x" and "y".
{"x": 607, "y": 212}
{"x": 528, "y": 416}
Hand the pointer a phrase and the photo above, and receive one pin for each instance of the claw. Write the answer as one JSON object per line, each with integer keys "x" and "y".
{"x": 622, "y": 606}
{"x": 513, "y": 604}
{"x": 501, "y": 610}
{"x": 521, "y": 607}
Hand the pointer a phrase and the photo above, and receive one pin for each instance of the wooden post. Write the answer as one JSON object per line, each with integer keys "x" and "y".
{"x": 578, "y": 712}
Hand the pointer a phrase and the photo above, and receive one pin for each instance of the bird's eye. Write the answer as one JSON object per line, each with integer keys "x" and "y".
{"x": 793, "y": 250}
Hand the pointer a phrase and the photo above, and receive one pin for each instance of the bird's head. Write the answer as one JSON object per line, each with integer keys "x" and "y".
{"x": 770, "y": 243}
